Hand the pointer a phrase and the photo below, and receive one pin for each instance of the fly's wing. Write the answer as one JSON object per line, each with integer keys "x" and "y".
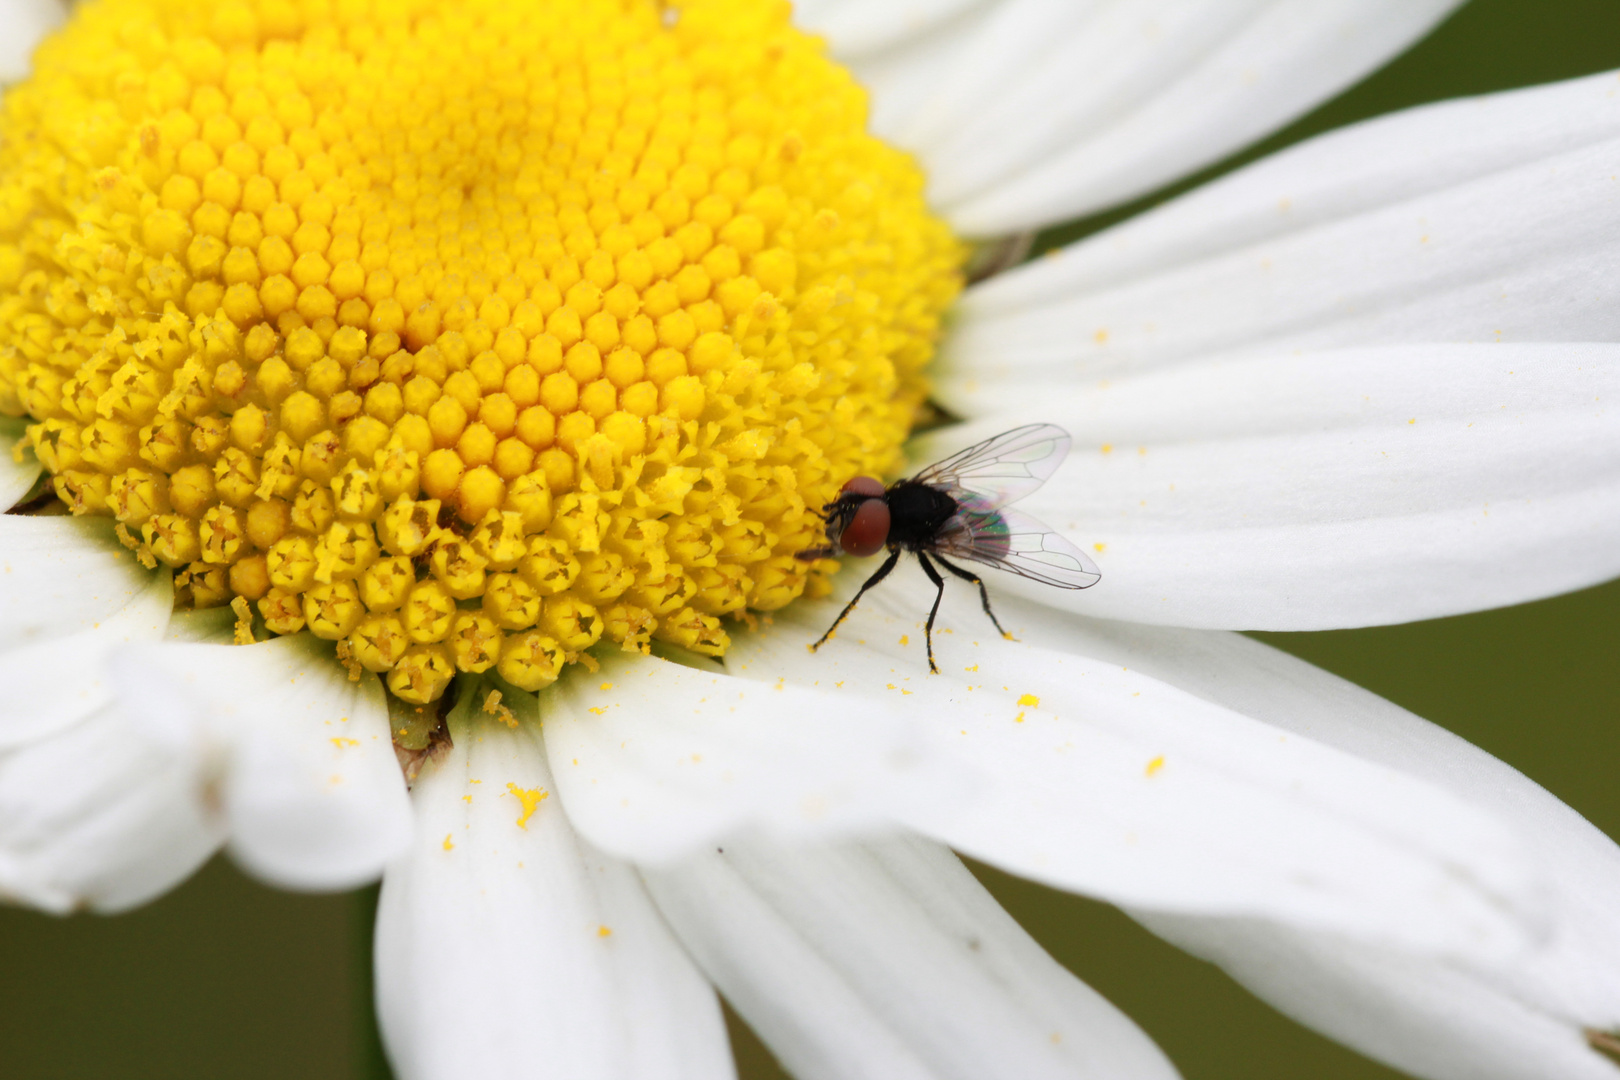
{"x": 1002, "y": 469}
{"x": 1014, "y": 541}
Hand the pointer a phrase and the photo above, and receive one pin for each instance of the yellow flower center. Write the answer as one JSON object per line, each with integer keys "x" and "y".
{"x": 465, "y": 334}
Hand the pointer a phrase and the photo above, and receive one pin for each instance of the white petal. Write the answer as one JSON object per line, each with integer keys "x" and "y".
{"x": 1106, "y": 781}
{"x": 51, "y": 683}
{"x": 310, "y": 785}
{"x": 655, "y": 760}
{"x": 22, "y": 24}
{"x": 856, "y": 27}
{"x": 1027, "y": 112}
{"x": 1432, "y": 1018}
{"x": 1311, "y": 490}
{"x": 16, "y": 477}
{"x": 1488, "y": 219}
{"x": 59, "y": 575}
{"x": 1425, "y": 1018}
{"x": 100, "y": 815}
{"x": 207, "y": 626}
{"x": 889, "y": 961}
{"x": 506, "y": 946}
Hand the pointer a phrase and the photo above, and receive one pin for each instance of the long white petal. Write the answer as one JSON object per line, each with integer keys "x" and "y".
{"x": 656, "y": 760}
{"x": 1441, "y": 1019}
{"x": 16, "y": 477}
{"x": 1027, "y": 112}
{"x": 59, "y": 575}
{"x": 1428, "y": 1019}
{"x": 53, "y": 682}
{"x": 1108, "y": 781}
{"x": 203, "y": 626}
{"x": 889, "y": 961}
{"x": 1487, "y": 219}
{"x": 1315, "y": 489}
{"x": 858, "y": 27}
{"x": 22, "y": 24}
{"x": 308, "y": 779}
{"x": 506, "y": 946}
{"x": 100, "y": 815}
{"x": 69, "y": 593}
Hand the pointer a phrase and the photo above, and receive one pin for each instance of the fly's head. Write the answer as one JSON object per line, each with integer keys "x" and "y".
{"x": 857, "y": 521}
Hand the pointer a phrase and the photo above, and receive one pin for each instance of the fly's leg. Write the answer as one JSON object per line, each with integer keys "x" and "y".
{"x": 984, "y": 595}
{"x": 821, "y": 551}
{"x": 928, "y": 628}
{"x": 882, "y": 572}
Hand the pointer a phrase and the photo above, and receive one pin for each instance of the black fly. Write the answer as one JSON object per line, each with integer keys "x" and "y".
{"x": 958, "y": 507}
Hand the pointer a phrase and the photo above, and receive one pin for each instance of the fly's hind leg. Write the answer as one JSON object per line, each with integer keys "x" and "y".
{"x": 928, "y": 628}
{"x": 984, "y": 595}
{"x": 882, "y": 572}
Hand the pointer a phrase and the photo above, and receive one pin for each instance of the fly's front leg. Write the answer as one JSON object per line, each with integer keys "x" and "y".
{"x": 821, "y": 551}
{"x": 928, "y": 628}
{"x": 882, "y": 572}
{"x": 984, "y": 594}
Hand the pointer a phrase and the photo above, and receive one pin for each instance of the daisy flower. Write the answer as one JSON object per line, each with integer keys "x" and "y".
{"x": 432, "y": 403}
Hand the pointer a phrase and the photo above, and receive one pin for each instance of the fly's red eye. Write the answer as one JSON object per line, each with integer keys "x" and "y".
{"x": 862, "y": 485}
{"x": 868, "y": 529}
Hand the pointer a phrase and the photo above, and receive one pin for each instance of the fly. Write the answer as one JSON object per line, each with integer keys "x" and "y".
{"x": 959, "y": 507}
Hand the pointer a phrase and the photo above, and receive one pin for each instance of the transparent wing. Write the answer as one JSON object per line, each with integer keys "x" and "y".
{"x": 1002, "y": 469}
{"x": 1013, "y": 541}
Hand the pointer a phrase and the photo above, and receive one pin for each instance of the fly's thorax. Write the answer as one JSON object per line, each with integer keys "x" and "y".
{"x": 466, "y": 335}
{"x": 918, "y": 512}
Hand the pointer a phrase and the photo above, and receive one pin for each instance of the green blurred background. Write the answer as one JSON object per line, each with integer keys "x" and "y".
{"x": 224, "y": 978}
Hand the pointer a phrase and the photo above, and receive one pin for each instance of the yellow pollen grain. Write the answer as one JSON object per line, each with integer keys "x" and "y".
{"x": 464, "y": 335}
{"x": 1154, "y": 766}
{"x": 530, "y": 798}
{"x": 604, "y": 931}
{"x": 1029, "y": 700}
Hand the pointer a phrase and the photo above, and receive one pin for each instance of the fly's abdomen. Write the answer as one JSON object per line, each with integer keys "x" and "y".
{"x": 990, "y": 533}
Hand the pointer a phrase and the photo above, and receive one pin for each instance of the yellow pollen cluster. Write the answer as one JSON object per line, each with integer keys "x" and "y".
{"x": 466, "y": 335}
